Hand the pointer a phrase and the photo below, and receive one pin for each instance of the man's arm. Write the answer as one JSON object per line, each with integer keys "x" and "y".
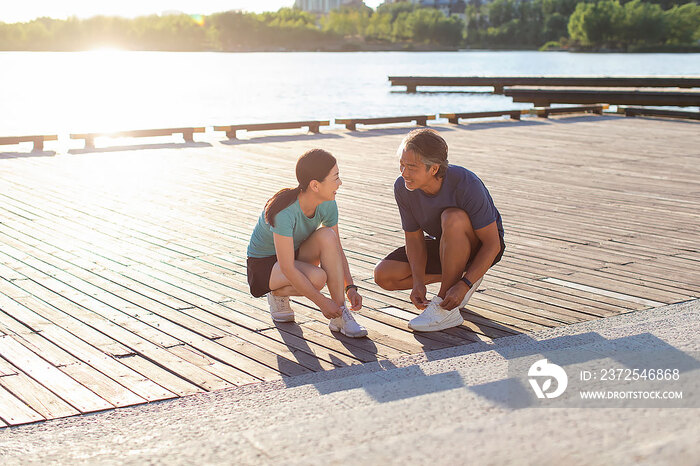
{"x": 489, "y": 249}
{"x": 417, "y": 254}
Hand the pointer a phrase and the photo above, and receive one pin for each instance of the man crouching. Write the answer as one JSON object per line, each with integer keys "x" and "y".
{"x": 453, "y": 232}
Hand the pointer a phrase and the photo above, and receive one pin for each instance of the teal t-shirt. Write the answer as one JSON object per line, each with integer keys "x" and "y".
{"x": 291, "y": 221}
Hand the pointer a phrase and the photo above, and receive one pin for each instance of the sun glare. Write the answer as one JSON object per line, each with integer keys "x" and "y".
{"x": 199, "y": 19}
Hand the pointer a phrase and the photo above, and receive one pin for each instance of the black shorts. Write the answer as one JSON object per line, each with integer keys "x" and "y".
{"x": 259, "y": 271}
{"x": 434, "y": 266}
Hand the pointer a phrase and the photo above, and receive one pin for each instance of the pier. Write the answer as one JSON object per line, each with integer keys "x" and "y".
{"x": 123, "y": 279}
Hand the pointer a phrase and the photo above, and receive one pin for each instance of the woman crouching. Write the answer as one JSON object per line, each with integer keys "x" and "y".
{"x": 287, "y": 247}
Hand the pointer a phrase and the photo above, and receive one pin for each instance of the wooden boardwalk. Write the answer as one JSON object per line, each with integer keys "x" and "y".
{"x": 122, "y": 273}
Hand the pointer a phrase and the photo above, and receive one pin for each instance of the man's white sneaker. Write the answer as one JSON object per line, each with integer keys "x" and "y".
{"x": 347, "y": 325}
{"x": 279, "y": 308}
{"x": 435, "y": 318}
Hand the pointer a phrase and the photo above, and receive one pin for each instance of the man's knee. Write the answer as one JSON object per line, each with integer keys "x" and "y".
{"x": 453, "y": 217}
{"x": 382, "y": 276}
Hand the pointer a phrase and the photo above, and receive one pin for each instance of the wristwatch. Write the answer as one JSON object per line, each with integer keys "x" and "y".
{"x": 467, "y": 282}
{"x": 347, "y": 288}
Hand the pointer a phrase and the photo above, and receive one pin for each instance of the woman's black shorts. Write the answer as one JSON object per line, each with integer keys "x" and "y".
{"x": 433, "y": 266}
{"x": 259, "y": 271}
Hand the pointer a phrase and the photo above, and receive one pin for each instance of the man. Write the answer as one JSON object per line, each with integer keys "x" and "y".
{"x": 453, "y": 232}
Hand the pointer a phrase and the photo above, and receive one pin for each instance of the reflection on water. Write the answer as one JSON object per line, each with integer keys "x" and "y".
{"x": 43, "y": 92}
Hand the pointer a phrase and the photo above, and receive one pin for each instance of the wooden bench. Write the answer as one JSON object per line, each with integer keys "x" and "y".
{"x": 544, "y": 112}
{"x": 187, "y": 134}
{"x": 351, "y": 123}
{"x": 37, "y": 140}
{"x": 313, "y": 125}
{"x": 642, "y": 111}
{"x": 455, "y": 117}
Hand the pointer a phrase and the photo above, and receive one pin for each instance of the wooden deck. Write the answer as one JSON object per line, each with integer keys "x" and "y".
{"x": 122, "y": 273}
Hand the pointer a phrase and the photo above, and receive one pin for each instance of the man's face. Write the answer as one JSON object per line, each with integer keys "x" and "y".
{"x": 414, "y": 172}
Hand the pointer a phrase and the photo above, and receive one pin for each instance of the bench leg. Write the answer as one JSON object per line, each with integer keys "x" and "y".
{"x": 454, "y": 121}
{"x": 498, "y": 89}
{"x": 231, "y": 134}
{"x": 314, "y": 129}
{"x": 515, "y": 116}
{"x": 188, "y": 136}
{"x": 89, "y": 143}
{"x": 411, "y": 88}
{"x": 422, "y": 122}
{"x": 38, "y": 144}
{"x": 351, "y": 126}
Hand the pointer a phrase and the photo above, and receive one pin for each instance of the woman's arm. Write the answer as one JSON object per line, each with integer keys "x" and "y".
{"x": 352, "y": 294}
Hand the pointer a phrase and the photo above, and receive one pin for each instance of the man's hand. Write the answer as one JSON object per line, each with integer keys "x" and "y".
{"x": 330, "y": 308}
{"x": 355, "y": 299}
{"x": 454, "y": 295}
{"x": 418, "y": 296}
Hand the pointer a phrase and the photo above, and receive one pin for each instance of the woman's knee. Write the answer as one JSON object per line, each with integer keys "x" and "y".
{"x": 318, "y": 277}
{"x": 454, "y": 218}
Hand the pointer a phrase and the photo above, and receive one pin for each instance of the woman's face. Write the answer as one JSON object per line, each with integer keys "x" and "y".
{"x": 329, "y": 186}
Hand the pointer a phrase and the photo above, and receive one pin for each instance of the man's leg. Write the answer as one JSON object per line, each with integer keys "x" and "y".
{"x": 457, "y": 245}
{"x": 396, "y": 275}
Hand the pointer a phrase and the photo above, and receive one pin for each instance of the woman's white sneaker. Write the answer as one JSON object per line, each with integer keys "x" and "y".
{"x": 435, "y": 318}
{"x": 280, "y": 310}
{"x": 347, "y": 325}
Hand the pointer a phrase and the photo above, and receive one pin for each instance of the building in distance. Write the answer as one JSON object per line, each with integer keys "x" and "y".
{"x": 324, "y": 6}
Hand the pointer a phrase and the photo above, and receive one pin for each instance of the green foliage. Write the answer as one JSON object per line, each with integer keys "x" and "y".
{"x": 637, "y": 24}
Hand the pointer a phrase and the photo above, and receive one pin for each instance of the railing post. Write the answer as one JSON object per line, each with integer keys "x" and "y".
{"x": 38, "y": 144}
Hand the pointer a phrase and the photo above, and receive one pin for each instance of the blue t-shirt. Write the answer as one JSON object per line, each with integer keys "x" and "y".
{"x": 290, "y": 221}
{"x": 460, "y": 188}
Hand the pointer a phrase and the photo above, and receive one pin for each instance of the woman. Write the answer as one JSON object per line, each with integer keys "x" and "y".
{"x": 287, "y": 247}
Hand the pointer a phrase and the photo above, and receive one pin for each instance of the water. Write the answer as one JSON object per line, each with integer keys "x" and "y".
{"x": 47, "y": 92}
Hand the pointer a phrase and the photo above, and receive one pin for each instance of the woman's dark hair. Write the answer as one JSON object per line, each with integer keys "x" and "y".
{"x": 429, "y": 146}
{"x": 314, "y": 164}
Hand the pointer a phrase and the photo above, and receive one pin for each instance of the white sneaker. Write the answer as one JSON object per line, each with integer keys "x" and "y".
{"x": 435, "y": 318}
{"x": 279, "y": 308}
{"x": 347, "y": 325}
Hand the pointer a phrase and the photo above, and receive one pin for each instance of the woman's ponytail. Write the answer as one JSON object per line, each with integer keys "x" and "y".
{"x": 280, "y": 201}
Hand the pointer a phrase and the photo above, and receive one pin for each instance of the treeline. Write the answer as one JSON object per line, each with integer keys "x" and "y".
{"x": 592, "y": 24}
{"x": 286, "y": 29}
{"x": 601, "y": 24}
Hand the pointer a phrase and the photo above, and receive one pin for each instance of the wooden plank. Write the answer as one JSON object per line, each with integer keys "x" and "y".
{"x": 65, "y": 387}
{"x": 13, "y": 411}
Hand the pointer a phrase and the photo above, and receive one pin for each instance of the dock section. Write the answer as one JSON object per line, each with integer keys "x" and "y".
{"x": 122, "y": 272}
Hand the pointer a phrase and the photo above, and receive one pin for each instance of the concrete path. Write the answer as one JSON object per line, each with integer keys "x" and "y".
{"x": 462, "y": 405}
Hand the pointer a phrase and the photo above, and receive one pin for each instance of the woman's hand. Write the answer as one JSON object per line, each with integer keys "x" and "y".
{"x": 355, "y": 299}
{"x": 418, "y": 296}
{"x": 330, "y": 308}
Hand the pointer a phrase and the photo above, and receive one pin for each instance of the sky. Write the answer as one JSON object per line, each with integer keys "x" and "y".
{"x": 12, "y": 11}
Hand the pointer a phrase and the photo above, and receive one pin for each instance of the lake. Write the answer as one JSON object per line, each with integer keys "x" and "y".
{"x": 52, "y": 92}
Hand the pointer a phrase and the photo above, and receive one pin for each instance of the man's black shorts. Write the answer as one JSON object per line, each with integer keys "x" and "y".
{"x": 433, "y": 266}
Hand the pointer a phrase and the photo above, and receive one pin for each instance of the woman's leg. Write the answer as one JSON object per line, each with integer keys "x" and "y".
{"x": 323, "y": 248}
{"x": 280, "y": 286}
